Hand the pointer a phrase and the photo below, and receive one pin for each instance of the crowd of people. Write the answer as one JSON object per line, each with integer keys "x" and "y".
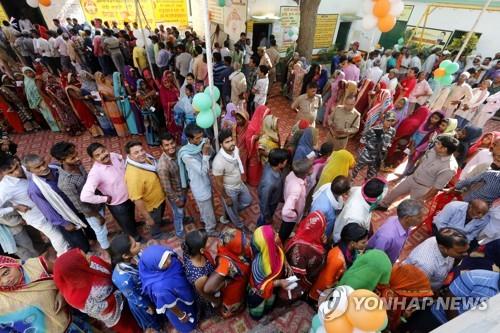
{"x": 98, "y": 78}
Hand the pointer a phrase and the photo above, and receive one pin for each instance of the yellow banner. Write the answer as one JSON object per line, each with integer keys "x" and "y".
{"x": 325, "y": 30}
{"x": 153, "y": 11}
{"x": 3, "y": 14}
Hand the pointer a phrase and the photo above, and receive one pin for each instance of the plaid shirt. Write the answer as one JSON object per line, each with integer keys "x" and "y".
{"x": 71, "y": 184}
{"x": 168, "y": 171}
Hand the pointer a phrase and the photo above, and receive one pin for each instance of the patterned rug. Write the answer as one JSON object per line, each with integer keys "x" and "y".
{"x": 285, "y": 317}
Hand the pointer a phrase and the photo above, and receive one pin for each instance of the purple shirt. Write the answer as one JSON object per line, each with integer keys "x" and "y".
{"x": 43, "y": 205}
{"x": 351, "y": 72}
{"x": 390, "y": 238}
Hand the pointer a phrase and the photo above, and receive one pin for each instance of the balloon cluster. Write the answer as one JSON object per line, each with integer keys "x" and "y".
{"x": 202, "y": 103}
{"x": 293, "y": 33}
{"x": 36, "y": 3}
{"x": 350, "y": 311}
{"x": 400, "y": 44}
{"x": 381, "y": 14}
{"x": 444, "y": 74}
{"x": 141, "y": 36}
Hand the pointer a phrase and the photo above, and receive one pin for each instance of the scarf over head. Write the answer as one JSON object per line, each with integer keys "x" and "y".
{"x": 476, "y": 146}
{"x": 269, "y": 137}
{"x": 32, "y": 94}
{"x": 255, "y": 125}
{"x": 188, "y": 149}
{"x": 375, "y": 114}
{"x": 233, "y": 244}
{"x": 368, "y": 270}
{"x": 305, "y": 145}
{"x": 338, "y": 164}
{"x": 268, "y": 259}
{"x": 409, "y": 125}
{"x": 88, "y": 81}
{"x": 309, "y": 232}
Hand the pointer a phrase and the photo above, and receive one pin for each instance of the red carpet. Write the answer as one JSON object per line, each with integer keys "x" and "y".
{"x": 289, "y": 318}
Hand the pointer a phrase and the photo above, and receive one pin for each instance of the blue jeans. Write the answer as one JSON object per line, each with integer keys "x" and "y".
{"x": 178, "y": 213}
{"x": 241, "y": 199}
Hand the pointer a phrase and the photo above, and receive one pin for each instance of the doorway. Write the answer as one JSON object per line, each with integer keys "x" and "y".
{"x": 342, "y": 35}
{"x": 20, "y": 9}
{"x": 260, "y": 31}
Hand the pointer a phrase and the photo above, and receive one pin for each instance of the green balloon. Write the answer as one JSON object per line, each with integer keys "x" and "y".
{"x": 202, "y": 101}
{"x": 452, "y": 68}
{"x": 401, "y": 41}
{"x": 216, "y": 92}
{"x": 446, "y": 80}
{"x": 217, "y": 110}
{"x": 205, "y": 119}
{"x": 316, "y": 323}
{"x": 445, "y": 64}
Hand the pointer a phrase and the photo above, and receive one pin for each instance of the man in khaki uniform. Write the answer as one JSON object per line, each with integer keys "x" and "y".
{"x": 343, "y": 122}
{"x": 274, "y": 56}
{"x": 238, "y": 83}
{"x": 308, "y": 104}
{"x": 435, "y": 170}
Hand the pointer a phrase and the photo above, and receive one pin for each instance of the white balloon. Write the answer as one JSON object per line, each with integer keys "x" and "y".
{"x": 367, "y": 6}
{"x": 397, "y": 8}
{"x": 335, "y": 306}
{"x": 369, "y": 22}
{"x": 32, "y": 3}
{"x": 295, "y": 37}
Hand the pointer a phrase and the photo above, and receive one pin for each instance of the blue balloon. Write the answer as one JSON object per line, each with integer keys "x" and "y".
{"x": 316, "y": 323}
{"x": 202, "y": 101}
{"x": 205, "y": 119}
{"x": 215, "y": 91}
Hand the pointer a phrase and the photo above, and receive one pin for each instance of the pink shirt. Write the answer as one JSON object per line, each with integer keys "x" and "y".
{"x": 109, "y": 180}
{"x": 294, "y": 193}
{"x": 421, "y": 88}
{"x": 351, "y": 72}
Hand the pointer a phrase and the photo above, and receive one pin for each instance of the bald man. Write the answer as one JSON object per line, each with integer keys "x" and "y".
{"x": 467, "y": 217}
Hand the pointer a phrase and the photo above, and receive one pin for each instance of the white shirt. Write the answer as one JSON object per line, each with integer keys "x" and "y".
{"x": 224, "y": 52}
{"x": 61, "y": 46}
{"x": 356, "y": 210}
{"x": 416, "y": 62}
{"x": 53, "y": 47}
{"x": 429, "y": 63}
{"x": 374, "y": 74}
{"x": 261, "y": 87}
{"x": 15, "y": 191}
{"x": 42, "y": 47}
{"x": 248, "y": 54}
{"x": 25, "y": 25}
{"x": 429, "y": 259}
{"x": 391, "y": 84}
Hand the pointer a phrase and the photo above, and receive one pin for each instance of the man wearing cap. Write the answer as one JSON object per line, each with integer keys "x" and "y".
{"x": 460, "y": 93}
{"x": 354, "y": 51}
{"x": 343, "y": 122}
{"x": 377, "y": 141}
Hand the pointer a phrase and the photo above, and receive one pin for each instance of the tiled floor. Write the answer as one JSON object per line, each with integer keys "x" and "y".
{"x": 287, "y": 318}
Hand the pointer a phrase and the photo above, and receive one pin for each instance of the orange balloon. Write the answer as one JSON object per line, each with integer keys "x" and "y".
{"x": 338, "y": 325}
{"x": 386, "y": 23}
{"x": 366, "y": 311}
{"x": 45, "y": 3}
{"x": 439, "y": 72}
{"x": 381, "y": 8}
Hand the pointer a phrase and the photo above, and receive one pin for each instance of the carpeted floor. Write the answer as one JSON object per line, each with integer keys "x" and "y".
{"x": 285, "y": 318}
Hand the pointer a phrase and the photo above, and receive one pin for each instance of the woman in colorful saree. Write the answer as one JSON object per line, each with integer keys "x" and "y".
{"x": 407, "y": 284}
{"x": 36, "y": 100}
{"x": 164, "y": 282}
{"x": 253, "y": 165}
{"x": 268, "y": 268}
{"x": 81, "y": 108}
{"x": 17, "y": 105}
{"x": 231, "y": 272}
{"x": 85, "y": 283}
{"x": 305, "y": 251}
{"x": 147, "y": 101}
{"x": 269, "y": 137}
{"x": 169, "y": 95}
{"x": 30, "y": 301}
{"x": 109, "y": 102}
{"x": 375, "y": 115}
{"x": 353, "y": 240}
{"x": 123, "y": 102}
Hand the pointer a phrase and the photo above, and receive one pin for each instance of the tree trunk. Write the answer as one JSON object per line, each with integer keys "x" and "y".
{"x": 308, "y": 13}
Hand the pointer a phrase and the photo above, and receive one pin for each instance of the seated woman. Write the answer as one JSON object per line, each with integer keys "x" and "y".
{"x": 125, "y": 256}
{"x": 353, "y": 240}
{"x": 85, "y": 283}
{"x": 267, "y": 271}
{"x": 198, "y": 265}
{"x": 164, "y": 282}
{"x": 305, "y": 251}
{"x": 408, "y": 283}
{"x": 369, "y": 270}
{"x": 230, "y": 277}
{"x": 30, "y": 300}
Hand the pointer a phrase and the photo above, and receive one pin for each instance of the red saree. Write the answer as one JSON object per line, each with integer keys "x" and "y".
{"x": 253, "y": 164}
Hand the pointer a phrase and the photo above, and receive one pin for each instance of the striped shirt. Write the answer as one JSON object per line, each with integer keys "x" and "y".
{"x": 489, "y": 191}
{"x": 428, "y": 258}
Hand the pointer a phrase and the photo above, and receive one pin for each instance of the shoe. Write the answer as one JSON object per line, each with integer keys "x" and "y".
{"x": 381, "y": 208}
{"x": 213, "y": 233}
{"x": 224, "y": 220}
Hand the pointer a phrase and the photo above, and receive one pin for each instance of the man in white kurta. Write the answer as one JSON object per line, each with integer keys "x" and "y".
{"x": 460, "y": 93}
{"x": 467, "y": 111}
